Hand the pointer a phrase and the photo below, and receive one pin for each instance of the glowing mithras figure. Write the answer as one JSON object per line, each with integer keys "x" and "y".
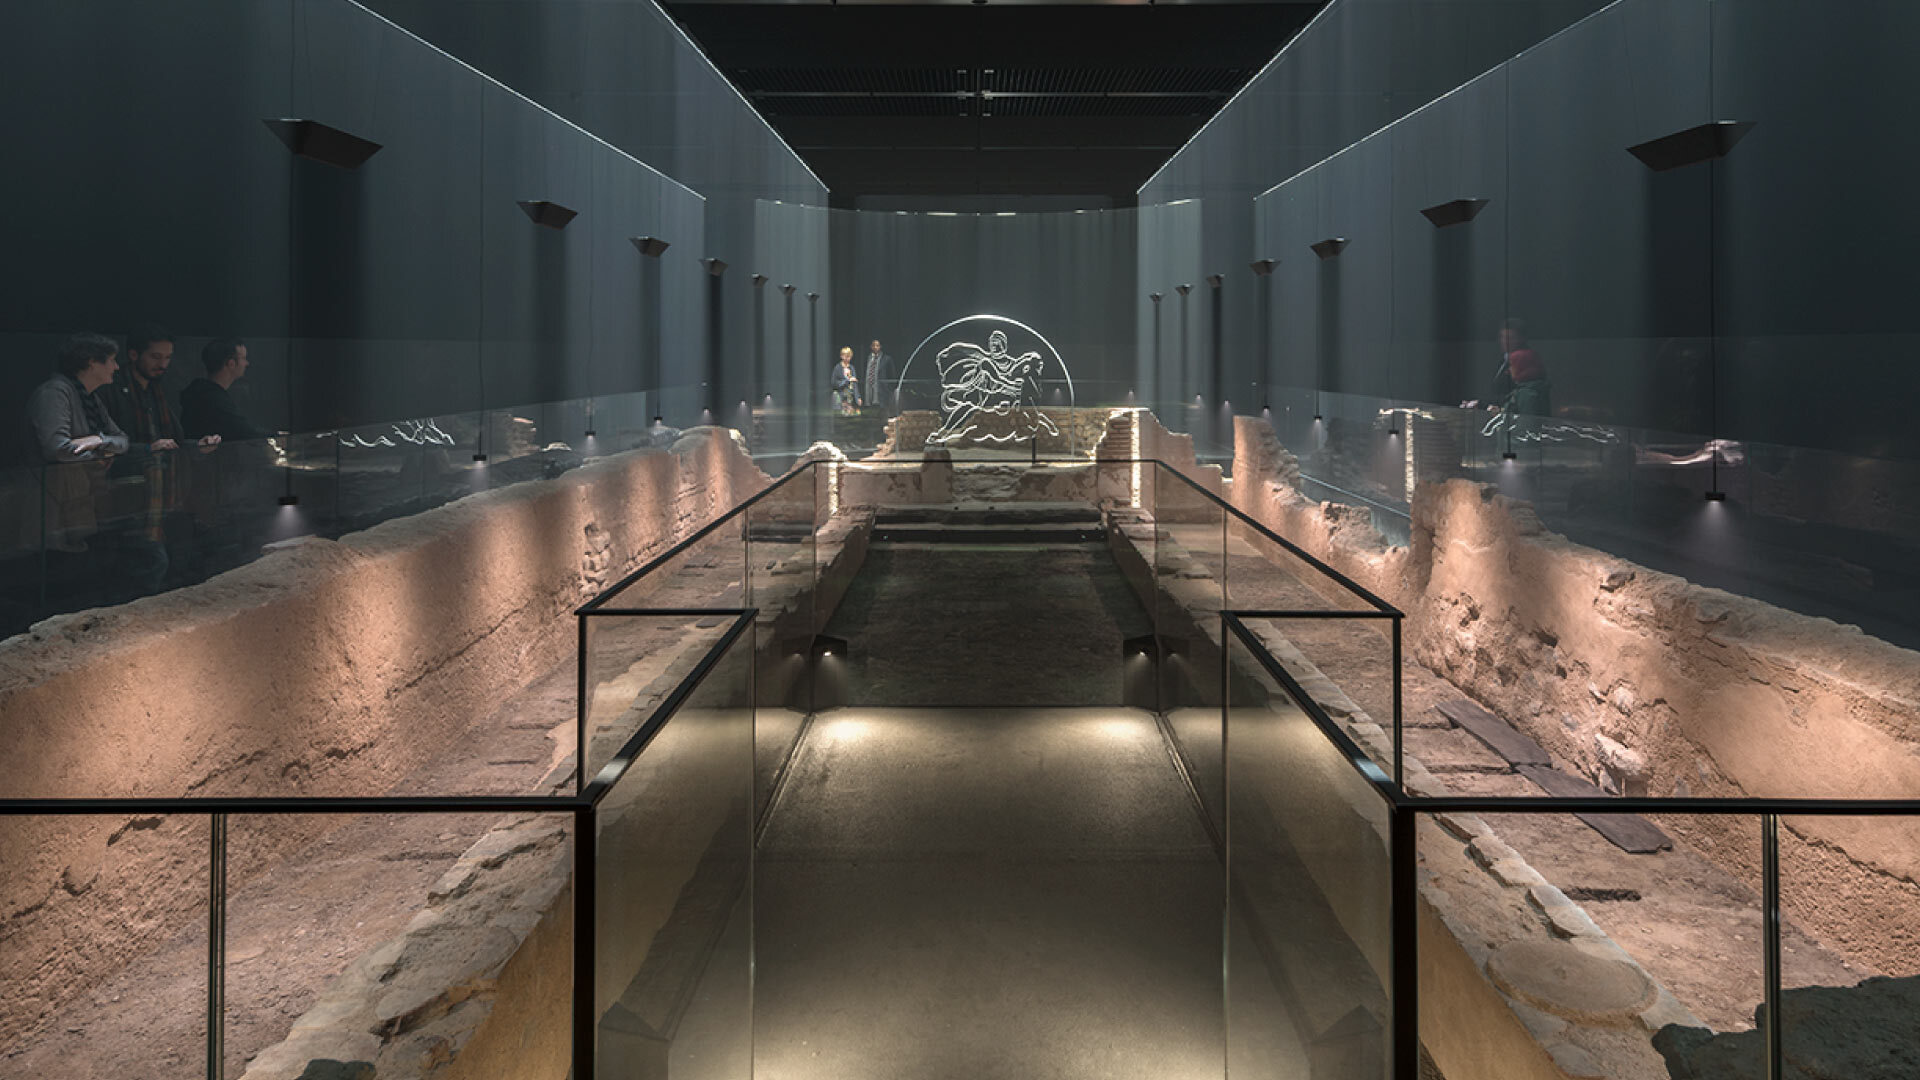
{"x": 979, "y": 385}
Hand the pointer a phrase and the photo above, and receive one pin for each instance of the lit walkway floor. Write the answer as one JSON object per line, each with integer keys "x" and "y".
{"x": 987, "y": 624}
{"x": 987, "y": 893}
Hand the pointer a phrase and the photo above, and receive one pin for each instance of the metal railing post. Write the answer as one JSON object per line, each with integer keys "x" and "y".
{"x": 217, "y": 948}
{"x": 585, "y": 1011}
{"x": 582, "y": 708}
{"x": 1404, "y": 949}
{"x": 1770, "y": 937}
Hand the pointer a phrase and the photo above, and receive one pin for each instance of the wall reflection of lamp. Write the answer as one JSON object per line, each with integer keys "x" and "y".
{"x": 1263, "y": 269}
{"x": 1186, "y": 366}
{"x": 1702, "y": 143}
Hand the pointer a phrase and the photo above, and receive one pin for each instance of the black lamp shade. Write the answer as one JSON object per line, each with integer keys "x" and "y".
{"x": 316, "y": 141}
{"x": 1456, "y": 212}
{"x": 651, "y": 246}
{"x": 549, "y": 215}
{"x": 1692, "y": 146}
{"x": 1328, "y": 248}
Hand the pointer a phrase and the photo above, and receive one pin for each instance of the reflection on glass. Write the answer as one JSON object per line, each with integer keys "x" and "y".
{"x": 1308, "y": 877}
{"x": 673, "y": 954}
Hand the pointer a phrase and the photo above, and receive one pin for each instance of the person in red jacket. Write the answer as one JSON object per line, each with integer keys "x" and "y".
{"x": 1520, "y": 385}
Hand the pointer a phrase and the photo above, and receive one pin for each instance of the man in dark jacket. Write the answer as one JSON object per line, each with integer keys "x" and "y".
{"x": 136, "y": 398}
{"x": 206, "y": 405}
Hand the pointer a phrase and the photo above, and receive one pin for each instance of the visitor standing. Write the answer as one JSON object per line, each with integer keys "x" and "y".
{"x": 846, "y": 384}
{"x": 879, "y": 374}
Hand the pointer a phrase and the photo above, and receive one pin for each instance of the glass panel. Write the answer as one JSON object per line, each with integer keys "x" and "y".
{"x": 1848, "y": 957}
{"x": 1615, "y": 962}
{"x": 1344, "y": 664}
{"x": 709, "y": 573}
{"x": 1308, "y": 946}
{"x": 632, "y": 663}
{"x": 105, "y": 961}
{"x": 363, "y": 938}
{"x": 674, "y": 946}
{"x": 782, "y": 580}
{"x": 1190, "y": 576}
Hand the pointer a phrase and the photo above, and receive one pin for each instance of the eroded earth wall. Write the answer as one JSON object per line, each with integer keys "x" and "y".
{"x": 324, "y": 668}
{"x": 1650, "y": 684}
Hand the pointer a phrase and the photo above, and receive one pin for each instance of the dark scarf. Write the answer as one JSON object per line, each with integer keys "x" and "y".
{"x": 152, "y": 418}
{"x": 97, "y": 419}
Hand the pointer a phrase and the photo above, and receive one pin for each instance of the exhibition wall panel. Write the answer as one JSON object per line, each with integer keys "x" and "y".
{"x": 411, "y": 285}
{"x": 1357, "y": 67}
{"x": 1814, "y": 220}
{"x": 135, "y": 194}
{"x": 1714, "y": 298}
{"x": 899, "y": 276}
{"x": 624, "y": 70}
{"x": 1724, "y": 338}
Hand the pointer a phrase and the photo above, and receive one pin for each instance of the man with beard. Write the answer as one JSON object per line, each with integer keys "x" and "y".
{"x": 879, "y": 373}
{"x": 136, "y": 399}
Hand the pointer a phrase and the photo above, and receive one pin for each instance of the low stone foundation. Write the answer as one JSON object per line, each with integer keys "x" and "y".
{"x": 1649, "y": 683}
{"x": 323, "y": 668}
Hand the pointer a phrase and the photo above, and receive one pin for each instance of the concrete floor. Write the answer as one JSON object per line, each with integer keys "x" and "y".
{"x": 987, "y": 624}
{"x": 984, "y": 893}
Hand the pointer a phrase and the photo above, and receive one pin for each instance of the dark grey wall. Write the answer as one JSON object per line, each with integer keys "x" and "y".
{"x": 900, "y": 276}
{"x": 142, "y": 188}
{"x": 625, "y": 71}
{"x": 1360, "y": 65}
{"x": 414, "y": 285}
{"x": 1777, "y": 276}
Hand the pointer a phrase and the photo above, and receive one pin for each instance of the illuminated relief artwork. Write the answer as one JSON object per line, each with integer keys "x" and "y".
{"x": 989, "y": 395}
{"x": 991, "y": 379}
{"x": 412, "y": 432}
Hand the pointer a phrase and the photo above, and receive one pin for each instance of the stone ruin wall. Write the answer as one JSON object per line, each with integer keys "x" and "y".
{"x": 323, "y": 668}
{"x": 1650, "y": 684}
{"x": 1078, "y": 431}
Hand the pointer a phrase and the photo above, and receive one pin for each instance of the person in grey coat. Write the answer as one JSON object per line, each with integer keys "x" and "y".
{"x": 70, "y": 423}
{"x": 72, "y": 429}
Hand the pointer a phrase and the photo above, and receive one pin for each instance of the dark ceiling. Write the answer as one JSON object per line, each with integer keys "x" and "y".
{"x": 953, "y": 105}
